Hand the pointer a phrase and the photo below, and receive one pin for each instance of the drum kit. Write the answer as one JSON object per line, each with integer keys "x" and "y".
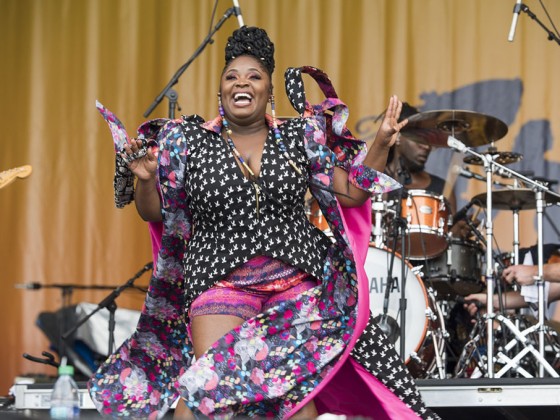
{"x": 419, "y": 273}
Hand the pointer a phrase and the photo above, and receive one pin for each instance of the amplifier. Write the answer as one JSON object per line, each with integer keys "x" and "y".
{"x": 38, "y": 396}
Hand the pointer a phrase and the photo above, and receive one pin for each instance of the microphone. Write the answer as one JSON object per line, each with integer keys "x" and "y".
{"x": 237, "y": 11}
{"x": 516, "y": 11}
{"x": 462, "y": 213}
{"x": 28, "y": 286}
{"x": 466, "y": 173}
{"x": 389, "y": 326}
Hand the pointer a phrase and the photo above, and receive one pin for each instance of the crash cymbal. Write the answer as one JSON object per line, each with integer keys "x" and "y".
{"x": 471, "y": 128}
{"x": 519, "y": 199}
{"x": 503, "y": 158}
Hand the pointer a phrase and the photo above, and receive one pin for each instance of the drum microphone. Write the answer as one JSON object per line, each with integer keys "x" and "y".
{"x": 462, "y": 213}
{"x": 466, "y": 173}
{"x": 516, "y": 10}
{"x": 237, "y": 11}
{"x": 389, "y": 326}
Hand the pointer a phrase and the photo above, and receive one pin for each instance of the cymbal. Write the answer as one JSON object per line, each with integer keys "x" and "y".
{"x": 519, "y": 199}
{"x": 503, "y": 158}
{"x": 471, "y": 128}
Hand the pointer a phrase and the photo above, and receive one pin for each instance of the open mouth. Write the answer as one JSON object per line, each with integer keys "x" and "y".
{"x": 242, "y": 98}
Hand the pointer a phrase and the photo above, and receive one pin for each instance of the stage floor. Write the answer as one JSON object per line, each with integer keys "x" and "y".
{"x": 452, "y": 399}
{"x": 495, "y": 399}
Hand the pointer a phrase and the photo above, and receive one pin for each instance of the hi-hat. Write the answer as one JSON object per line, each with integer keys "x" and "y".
{"x": 503, "y": 158}
{"x": 471, "y": 128}
{"x": 518, "y": 199}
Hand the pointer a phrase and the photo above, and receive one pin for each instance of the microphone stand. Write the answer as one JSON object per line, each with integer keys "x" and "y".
{"x": 170, "y": 93}
{"x": 399, "y": 226}
{"x": 402, "y": 301}
{"x": 520, "y": 337}
{"x": 110, "y": 303}
{"x": 551, "y": 35}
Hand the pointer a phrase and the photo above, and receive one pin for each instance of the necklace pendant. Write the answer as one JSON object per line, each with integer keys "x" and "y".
{"x": 257, "y": 192}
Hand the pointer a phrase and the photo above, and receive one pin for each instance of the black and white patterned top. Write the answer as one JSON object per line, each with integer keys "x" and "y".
{"x": 229, "y": 226}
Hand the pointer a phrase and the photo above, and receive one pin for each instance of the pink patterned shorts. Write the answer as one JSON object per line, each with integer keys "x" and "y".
{"x": 259, "y": 284}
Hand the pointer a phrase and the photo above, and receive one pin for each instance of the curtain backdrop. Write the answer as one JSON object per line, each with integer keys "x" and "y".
{"x": 59, "y": 226}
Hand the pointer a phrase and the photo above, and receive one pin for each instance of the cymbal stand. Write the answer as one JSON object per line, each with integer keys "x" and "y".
{"x": 540, "y": 189}
{"x": 489, "y": 276}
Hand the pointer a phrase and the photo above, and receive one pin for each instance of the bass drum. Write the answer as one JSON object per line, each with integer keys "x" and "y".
{"x": 423, "y": 317}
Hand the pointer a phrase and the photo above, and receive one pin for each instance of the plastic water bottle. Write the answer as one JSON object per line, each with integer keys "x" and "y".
{"x": 65, "y": 397}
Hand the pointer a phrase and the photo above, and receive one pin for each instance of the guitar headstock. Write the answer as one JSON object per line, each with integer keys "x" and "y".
{"x": 10, "y": 175}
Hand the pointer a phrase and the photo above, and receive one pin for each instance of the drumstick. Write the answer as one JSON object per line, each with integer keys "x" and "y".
{"x": 452, "y": 174}
{"x": 475, "y": 214}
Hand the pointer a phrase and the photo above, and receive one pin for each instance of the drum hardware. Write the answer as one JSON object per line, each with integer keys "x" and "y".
{"x": 520, "y": 337}
{"x": 439, "y": 335}
{"x": 458, "y": 270}
{"x": 427, "y": 223}
{"x": 503, "y": 158}
{"x": 539, "y": 190}
{"x": 470, "y": 128}
{"x": 473, "y": 356}
{"x": 380, "y": 208}
{"x": 425, "y": 327}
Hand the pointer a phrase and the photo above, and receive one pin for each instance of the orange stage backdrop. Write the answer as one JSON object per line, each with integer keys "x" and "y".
{"x": 58, "y": 56}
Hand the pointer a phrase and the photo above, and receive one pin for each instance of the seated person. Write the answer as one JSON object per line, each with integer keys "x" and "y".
{"x": 524, "y": 275}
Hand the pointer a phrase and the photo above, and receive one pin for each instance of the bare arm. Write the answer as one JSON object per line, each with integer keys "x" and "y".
{"x": 525, "y": 274}
{"x": 146, "y": 196}
{"x": 512, "y": 299}
{"x": 376, "y": 157}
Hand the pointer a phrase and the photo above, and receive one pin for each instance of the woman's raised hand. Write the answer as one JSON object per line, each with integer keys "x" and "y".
{"x": 143, "y": 166}
{"x": 389, "y": 130}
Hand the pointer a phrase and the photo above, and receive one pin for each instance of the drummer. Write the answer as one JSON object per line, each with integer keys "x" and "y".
{"x": 514, "y": 299}
{"x": 524, "y": 275}
{"x": 407, "y": 161}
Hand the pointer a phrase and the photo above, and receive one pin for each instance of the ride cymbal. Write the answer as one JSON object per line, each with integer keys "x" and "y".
{"x": 471, "y": 128}
{"x": 519, "y": 199}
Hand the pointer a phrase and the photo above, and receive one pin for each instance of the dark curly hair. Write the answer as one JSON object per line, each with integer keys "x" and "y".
{"x": 253, "y": 41}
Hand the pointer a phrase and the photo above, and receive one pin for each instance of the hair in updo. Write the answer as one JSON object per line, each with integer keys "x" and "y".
{"x": 253, "y": 41}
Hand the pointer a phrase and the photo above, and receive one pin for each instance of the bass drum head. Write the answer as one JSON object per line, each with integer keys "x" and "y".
{"x": 416, "y": 322}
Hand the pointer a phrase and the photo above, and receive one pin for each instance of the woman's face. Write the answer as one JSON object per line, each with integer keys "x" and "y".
{"x": 245, "y": 87}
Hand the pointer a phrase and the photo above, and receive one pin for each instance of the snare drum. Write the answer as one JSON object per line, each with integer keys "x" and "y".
{"x": 458, "y": 271}
{"x": 423, "y": 316}
{"x": 428, "y": 218}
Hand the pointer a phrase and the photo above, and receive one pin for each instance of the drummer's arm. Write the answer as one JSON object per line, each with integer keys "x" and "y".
{"x": 512, "y": 300}
{"x": 554, "y": 292}
{"x": 551, "y": 272}
{"x": 525, "y": 274}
